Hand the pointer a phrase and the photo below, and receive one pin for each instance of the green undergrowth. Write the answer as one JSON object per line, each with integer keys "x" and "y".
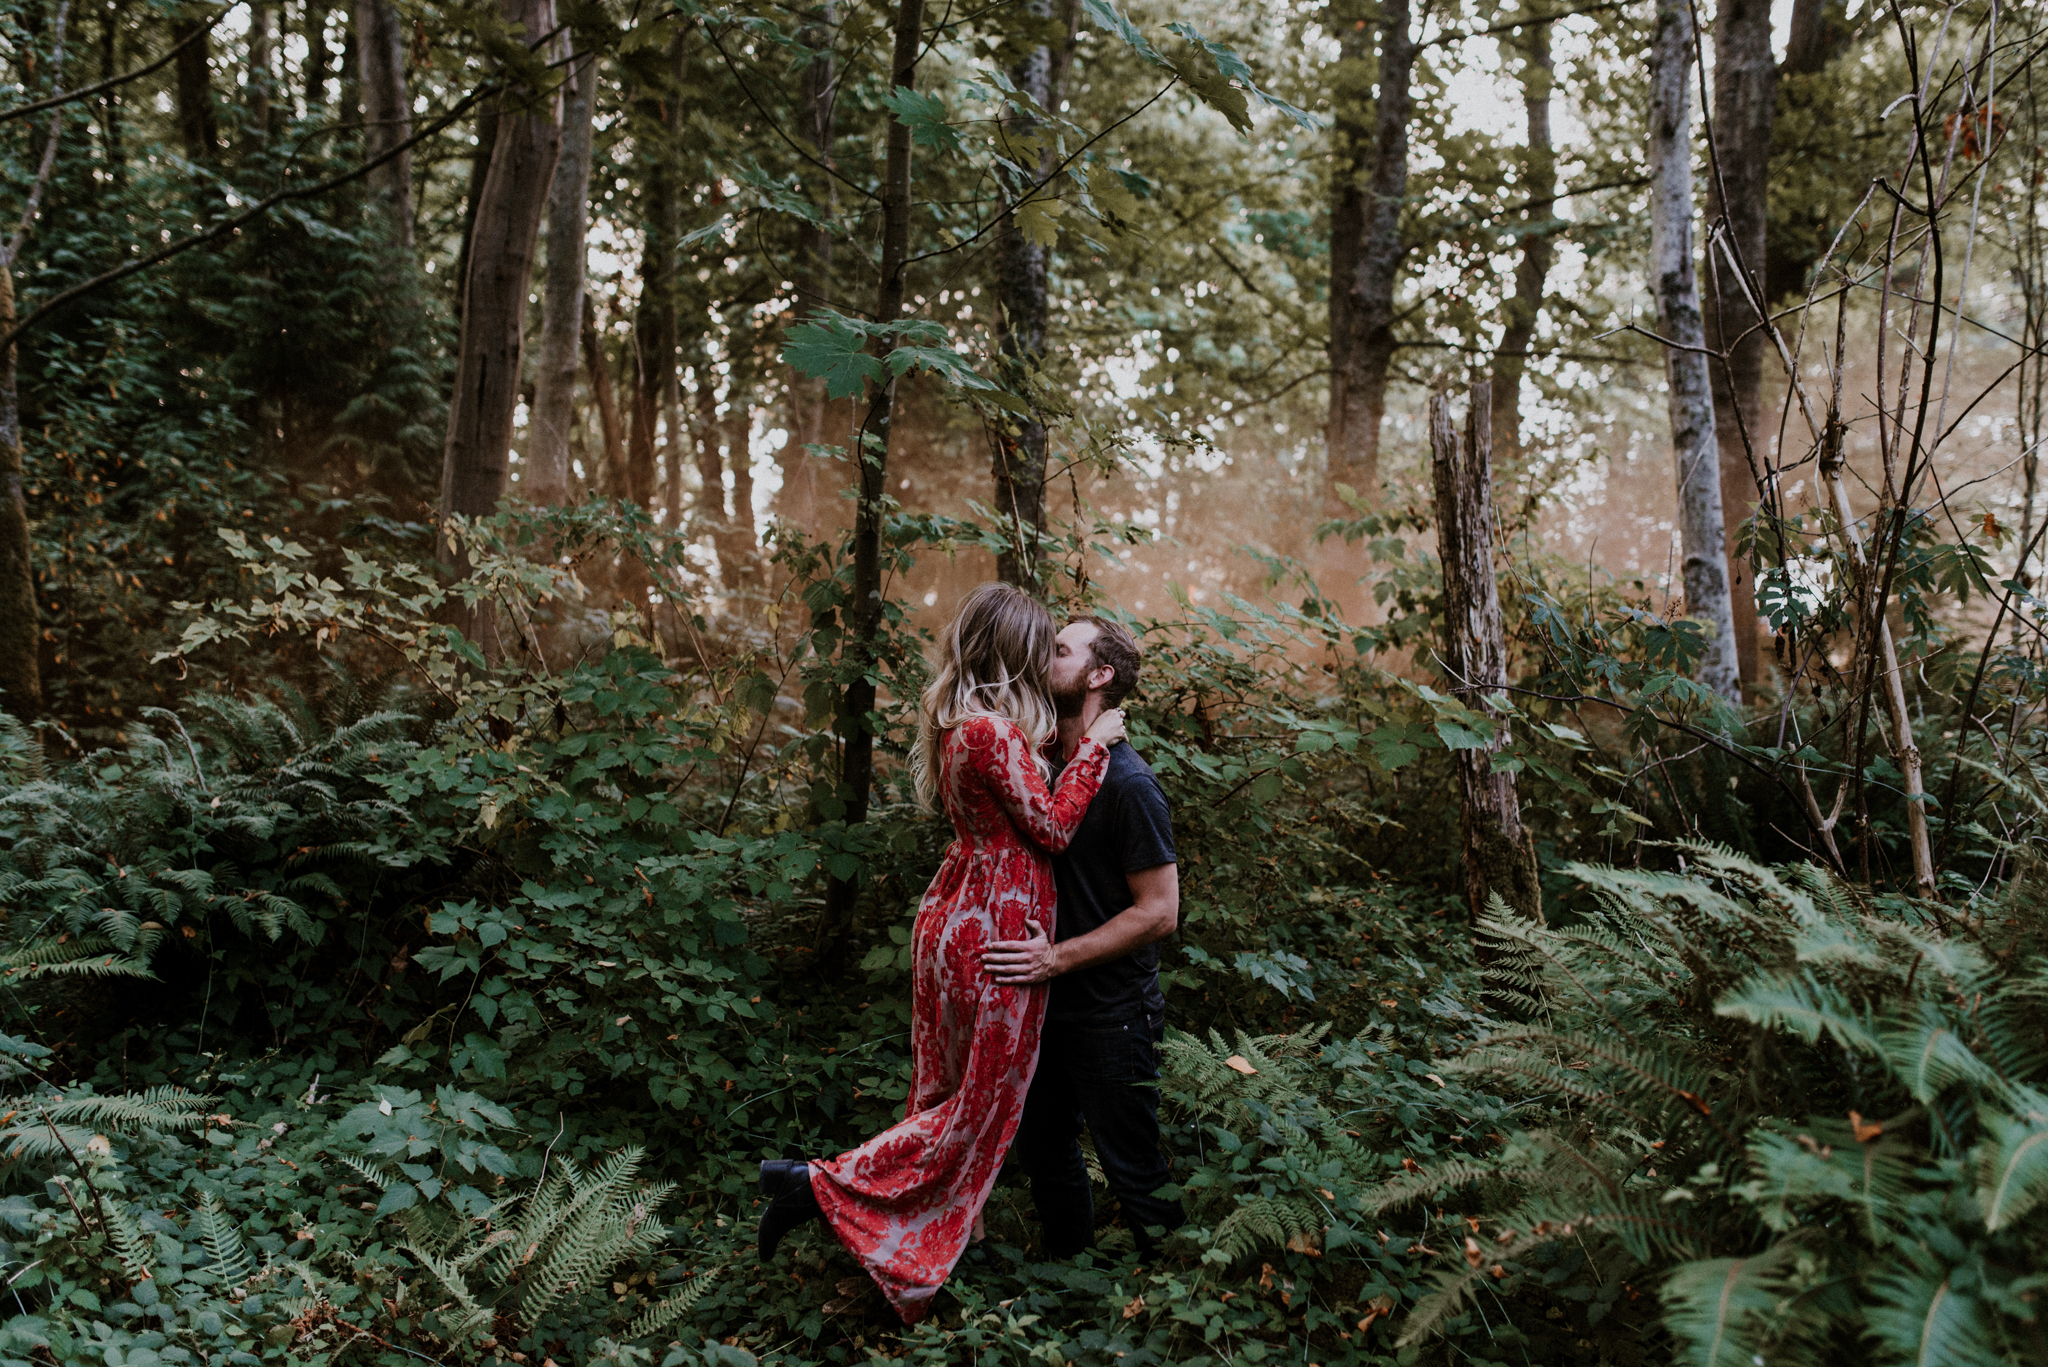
{"x": 445, "y": 1013}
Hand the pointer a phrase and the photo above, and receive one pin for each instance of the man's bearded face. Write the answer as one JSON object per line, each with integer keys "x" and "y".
{"x": 1073, "y": 658}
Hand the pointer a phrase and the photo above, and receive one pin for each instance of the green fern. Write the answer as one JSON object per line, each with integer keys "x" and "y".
{"x": 529, "y": 1253}
{"x": 217, "y": 1231}
{"x": 1719, "y": 1308}
{"x": 136, "y": 1250}
{"x": 669, "y": 1309}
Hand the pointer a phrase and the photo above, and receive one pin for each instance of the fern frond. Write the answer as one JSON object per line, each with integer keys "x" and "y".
{"x": 136, "y": 1250}
{"x": 1271, "y": 1222}
{"x": 97, "y": 956}
{"x": 1804, "y": 1006}
{"x": 1921, "y": 1318}
{"x": 1716, "y": 1309}
{"x": 2012, "y": 1173}
{"x": 217, "y": 1231}
{"x": 672, "y": 1307}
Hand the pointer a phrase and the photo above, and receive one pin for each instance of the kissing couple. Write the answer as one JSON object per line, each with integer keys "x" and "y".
{"x": 1035, "y": 1005}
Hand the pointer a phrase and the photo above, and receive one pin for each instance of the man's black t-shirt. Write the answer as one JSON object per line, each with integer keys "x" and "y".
{"x": 1127, "y": 830}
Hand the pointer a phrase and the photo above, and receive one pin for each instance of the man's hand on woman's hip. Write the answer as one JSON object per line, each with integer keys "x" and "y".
{"x": 1018, "y": 963}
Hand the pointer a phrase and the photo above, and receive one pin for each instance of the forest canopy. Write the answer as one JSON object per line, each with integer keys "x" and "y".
{"x": 479, "y": 483}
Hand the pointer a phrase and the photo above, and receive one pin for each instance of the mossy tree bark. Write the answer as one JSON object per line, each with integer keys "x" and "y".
{"x": 1499, "y": 856}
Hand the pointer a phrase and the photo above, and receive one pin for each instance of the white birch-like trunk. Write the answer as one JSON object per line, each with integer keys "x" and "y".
{"x": 545, "y": 478}
{"x": 1702, "y": 534}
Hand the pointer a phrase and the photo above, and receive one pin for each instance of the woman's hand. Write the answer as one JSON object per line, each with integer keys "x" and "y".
{"x": 1108, "y": 727}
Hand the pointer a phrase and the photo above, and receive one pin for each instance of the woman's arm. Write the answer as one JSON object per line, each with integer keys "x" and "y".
{"x": 1002, "y": 759}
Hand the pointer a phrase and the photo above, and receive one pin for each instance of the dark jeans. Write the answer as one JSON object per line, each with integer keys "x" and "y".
{"x": 1103, "y": 1077}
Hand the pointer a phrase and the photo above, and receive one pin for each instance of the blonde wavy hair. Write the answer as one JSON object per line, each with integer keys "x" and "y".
{"x": 994, "y": 659}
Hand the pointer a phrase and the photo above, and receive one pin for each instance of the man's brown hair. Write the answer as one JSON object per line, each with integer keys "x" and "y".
{"x": 1115, "y": 648}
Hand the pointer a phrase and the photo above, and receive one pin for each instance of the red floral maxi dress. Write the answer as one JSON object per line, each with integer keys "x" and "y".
{"x": 905, "y": 1201}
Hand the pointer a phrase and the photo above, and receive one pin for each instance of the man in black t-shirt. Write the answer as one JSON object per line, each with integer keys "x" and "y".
{"x": 1119, "y": 894}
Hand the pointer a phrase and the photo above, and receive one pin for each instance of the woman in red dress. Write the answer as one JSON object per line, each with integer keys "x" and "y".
{"x": 906, "y": 1202}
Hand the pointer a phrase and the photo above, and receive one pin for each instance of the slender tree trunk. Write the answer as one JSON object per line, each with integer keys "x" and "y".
{"x": 1499, "y": 854}
{"x": 197, "y": 127}
{"x": 1811, "y": 39}
{"x": 21, "y": 689}
{"x": 1745, "y": 101}
{"x": 479, "y": 171}
{"x": 260, "y": 79}
{"x": 545, "y": 478}
{"x": 710, "y": 520}
{"x": 317, "y": 68}
{"x": 606, "y": 477}
{"x": 387, "y": 112}
{"x": 110, "y": 102}
{"x": 1366, "y": 252}
{"x": 810, "y": 408}
{"x": 871, "y": 454}
{"x": 1539, "y": 181}
{"x": 1021, "y": 266}
{"x": 654, "y": 322}
{"x": 476, "y": 459}
{"x": 1702, "y": 536}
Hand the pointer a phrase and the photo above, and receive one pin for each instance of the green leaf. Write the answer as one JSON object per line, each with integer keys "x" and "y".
{"x": 1113, "y": 199}
{"x": 925, "y": 116}
{"x": 1231, "y": 68}
{"x": 833, "y": 349}
{"x": 1037, "y": 220}
{"x": 1106, "y": 17}
{"x": 948, "y": 364}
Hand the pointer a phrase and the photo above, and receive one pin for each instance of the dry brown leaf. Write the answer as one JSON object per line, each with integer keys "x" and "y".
{"x": 1868, "y": 1130}
{"x": 1239, "y": 1062}
{"x": 1135, "y": 1308}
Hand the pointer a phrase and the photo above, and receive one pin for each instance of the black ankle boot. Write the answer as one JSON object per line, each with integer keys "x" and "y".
{"x": 787, "y": 1184}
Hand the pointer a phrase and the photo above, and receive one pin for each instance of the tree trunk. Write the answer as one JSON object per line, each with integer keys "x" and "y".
{"x": 1021, "y": 265}
{"x": 21, "y": 689}
{"x": 1366, "y": 251}
{"x": 1539, "y": 181}
{"x": 810, "y": 408}
{"x": 1499, "y": 854}
{"x": 479, "y": 171}
{"x": 475, "y": 461}
{"x": 1745, "y": 100}
{"x": 317, "y": 70}
{"x": 1810, "y": 41}
{"x": 704, "y": 433}
{"x": 605, "y": 479}
{"x": 871, "y": 456}
{"x": 196, "y": 125}
{"x": 654, "y": 322}
{"x": 110, "y": 102}
{"x": 260, "y": 78}
{"x": 545, "y": 479}
{"x": 1702, "y": 535}
{"x": 387, "y": 112}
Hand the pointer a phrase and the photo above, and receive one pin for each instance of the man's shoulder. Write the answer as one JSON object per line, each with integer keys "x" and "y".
{"x": 1128, "y": 768}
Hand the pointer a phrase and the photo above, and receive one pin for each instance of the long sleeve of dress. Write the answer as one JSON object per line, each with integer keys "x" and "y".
{"x": 1003, "y": 761}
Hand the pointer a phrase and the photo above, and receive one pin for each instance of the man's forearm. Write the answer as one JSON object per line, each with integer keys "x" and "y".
{"x": 1129, "y": 930}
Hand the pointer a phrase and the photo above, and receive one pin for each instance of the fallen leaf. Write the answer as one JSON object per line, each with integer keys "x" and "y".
{"x": 1868, "y": 1130}
{"x": 1238, "y": 1062}
{"x": 1306, "y": 1242}
{"x": 1437, "y": 1080}
{"x": 1472, "y": 1254}
{"x": 1135, "y": 1308}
